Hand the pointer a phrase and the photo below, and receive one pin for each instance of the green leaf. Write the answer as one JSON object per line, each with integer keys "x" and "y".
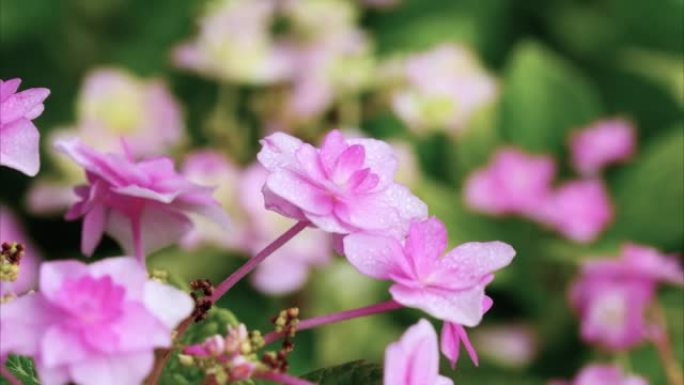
{"x": 351, "y": 373}
{"x": 23, "y": 369}
{"x": 544, "y": 98}
{"x": 648, "y": 194}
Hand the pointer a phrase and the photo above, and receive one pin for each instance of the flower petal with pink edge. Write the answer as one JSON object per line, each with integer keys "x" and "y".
{"x": 471, "y": 263}
{"x": 283, "y": 207}
{"x": 299, "y": 192}
{"x": 19, "y": 147}
{"x": 425, "y": 243}
{"x": 23, "y": 323}
{"x": 451, "y": 338}
{"x": 278, "y": 151}
{"x": 93, "y": 227}
{"x": 463, "y": 307}
{"x": 61, "y": 346}
{"x": 129, "y": 369}
{"x": 124, "y": 271}
{"x": 167, "y": 303}
{"x": 380, "y": 158}
{"x": 52, "y": 376}
{"x": 375, "y": 255}
{"x": 23, "y": 105}
{"x": 414, "y": 359}
{"x": 332, "y": 147}
{"x": 139, "y": 329}
{"x": 53, "y": 274}
{"x": 8, "y": 88}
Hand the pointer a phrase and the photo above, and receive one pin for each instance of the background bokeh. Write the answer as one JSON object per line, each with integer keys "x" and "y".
{"x": 560, "y": 64}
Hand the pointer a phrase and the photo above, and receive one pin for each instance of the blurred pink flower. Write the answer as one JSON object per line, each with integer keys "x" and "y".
{"x": 580, "y": 210}
{"x": 510, "y": 345}
{"x": 144, "y": 205}
{"x": 444, "y": 88}
{"x": 602, "y": 375}
{"x": 234, "y": 43}
{"x": 12, "y": 231}
{"x": 19, "y": 138}
{"x": 88, "y": 322}
{"x": 612, "y": 295}
{"x": 514, "y": 182}
{"x": 453, "y": 335}
{"x": 450, "y": 287}
{"x": 213, "y": 169}
{"x": 603, "y": 143}
{"x": 287, "y": 269}
{"x": 115, "y": 105}
{"x": 343, "y": 187}
{"x": 414, "y": 359}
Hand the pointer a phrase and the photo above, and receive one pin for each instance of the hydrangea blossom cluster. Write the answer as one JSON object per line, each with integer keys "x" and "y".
{"x": 93, "y": 324}
{"x": 113, "y": 107}
{"x": 144, "y": 205}
{"x": 441, "y": 89}
{"x": 612, "y": 296}
{"x": 19, "y": 137}
{"x": 519, "y": 183}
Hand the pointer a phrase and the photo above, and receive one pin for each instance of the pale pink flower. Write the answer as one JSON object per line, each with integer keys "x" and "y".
{"x": 214, "y": 169}
{"x": 95, "y": 324}
{"x": 597, "y": 374}
{"x": 234, "y": 43}
{"x": 144, "y": 205}
{"x": 612, "y": 295}
{"x": 509, "y": 345}
{"x": 115, "y": 105}
{"x": 345, "y": 186}
{"x": 450, "y": 287}
{"x": 453, "y": 335}
{"x": 514, "y": 182}
{"x": 444, "y": 88}
{"x": 580, "y": 210}
{"x": 287, "y": 269}
{"x": 603, "y": 143}
{"x": 12, "y": 231}
{"x": 414, "y": 359}
{"x": 19, "y": 138}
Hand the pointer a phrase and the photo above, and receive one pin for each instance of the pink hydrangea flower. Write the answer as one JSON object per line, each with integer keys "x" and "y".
{"x": 510, "y": 345}
{"x": 602, "y": 375}
{"x": 212, "y": 168}
{"x": 514, "y": 182}
{"x": 414, "y": 359}
{"x": 601, "y": 144}
{"x": 345, "y": 186}
{"x": 453, "y": 335}
{"x": 287, "y": 269}
{"x": 612, "y": 295}
{"x": 580, "y": 210}
{"x": 144, "y": 205}
{"x": 445, "y": 87}
{"x": 19, "y": 138}
{"x": 12, "y": 231}
{"x": 449, "y": 287}
{"x": 95, "y": 324}
{"x": 114, "y": 104}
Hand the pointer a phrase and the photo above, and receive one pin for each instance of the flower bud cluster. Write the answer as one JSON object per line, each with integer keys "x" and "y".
{"x": 202, "y": 291}
{"x": 10, "y": 259}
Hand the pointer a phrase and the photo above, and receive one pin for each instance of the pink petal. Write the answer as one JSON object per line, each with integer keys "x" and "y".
{"x": 278, "y": 151}
{"x": 380, "y": 158}
{"x": 19, "y": 147}
{"x": 474, "y": 261}
{"x": 20, "y": 105}
{"x": 52, "y": 376}
{"x": 299, "y": 192}
{"x": 124, "y": 271}
{"x": 53, "y": 274}
{"x": 310, "y": 163}
{"x": 375, "y": 255}
{"x": 426, "y": 241}
{"x": 139, "y": 330}
{"x": 451, "y": 343}
{"x": 332, "y": 147}
{"x": 281, "y": 206}
{"x": 278, "y": 276}
{"x": 23, "y": 322}
{"x": 130, "y": 369}
{"x": 414, "y": 359}
{"x": 62, "y": 346}
{"x": 463, "y": 307}
{"x": 93, "y": 228}
{"x": 8, "y": 88}
{"x": 167, "y": 303}
{"x": 146, "y": 193}
{"x": 349, "y": 161}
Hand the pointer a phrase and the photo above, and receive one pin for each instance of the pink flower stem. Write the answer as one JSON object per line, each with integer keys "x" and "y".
{"x": 282, "y": 378}
{"x": 338, "y": 317}
{"x": 253, "y": 262}
{"x": 8, "y": 375}
{"x": 137, "y": 241}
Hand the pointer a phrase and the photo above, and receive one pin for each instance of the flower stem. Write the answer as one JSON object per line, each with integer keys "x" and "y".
{"x": 137, "y": 240}
{"x": 338, "y": 317}
{"x": 240, "y": 273}
{"x": 9, "y": 376}
{"x": 282, "y": 378}
{"x": 164, "y": 355}
{"x": 661, "y": 341}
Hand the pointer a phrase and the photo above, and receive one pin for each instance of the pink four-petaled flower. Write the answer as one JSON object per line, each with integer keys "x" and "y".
{"x": 449, "y": 287}
{"x": 95, "y": 324}
{"x": 144, "y": 205}
{"x": 603, "y": 143}
{"x": 19, "y": 138}
{"x": 414, "y": 359}
{"x": 344, "y": 187}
